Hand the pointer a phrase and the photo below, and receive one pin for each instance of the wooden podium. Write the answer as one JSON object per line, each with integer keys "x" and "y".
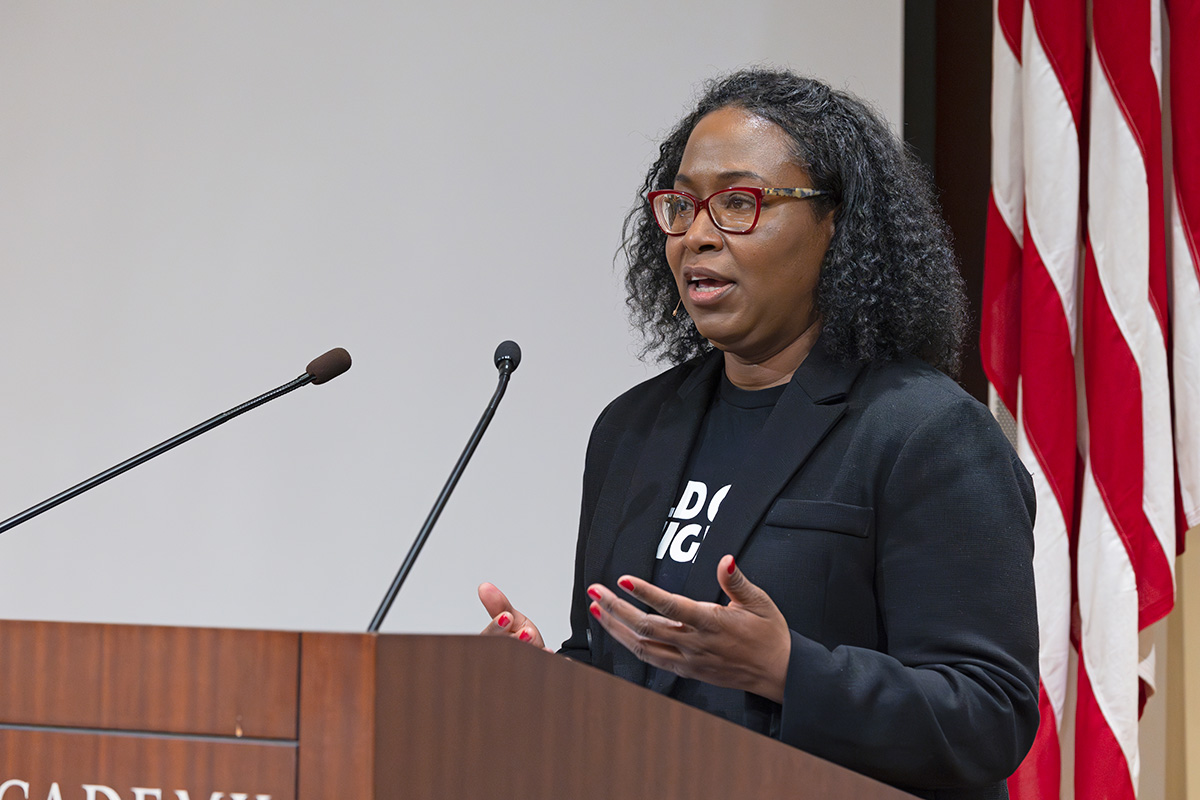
{"x": 123, "y": 712}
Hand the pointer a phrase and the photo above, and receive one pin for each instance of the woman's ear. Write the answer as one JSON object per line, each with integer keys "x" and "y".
{"x": 828, "y": 222}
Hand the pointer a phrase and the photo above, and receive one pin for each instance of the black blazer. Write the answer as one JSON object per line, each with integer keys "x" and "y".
{"x": 888, "y": 517}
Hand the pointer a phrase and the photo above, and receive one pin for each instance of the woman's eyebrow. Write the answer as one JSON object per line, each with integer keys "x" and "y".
{"x": 724, "y": 177}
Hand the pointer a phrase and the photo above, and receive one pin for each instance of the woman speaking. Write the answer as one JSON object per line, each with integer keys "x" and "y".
{"x": 804, "y": 526}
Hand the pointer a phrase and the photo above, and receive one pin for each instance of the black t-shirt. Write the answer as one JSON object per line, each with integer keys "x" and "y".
{"x": 733, "y": 421}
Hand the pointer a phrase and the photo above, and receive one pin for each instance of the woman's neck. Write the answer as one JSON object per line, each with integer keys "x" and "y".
{"x": 775, "y": 369}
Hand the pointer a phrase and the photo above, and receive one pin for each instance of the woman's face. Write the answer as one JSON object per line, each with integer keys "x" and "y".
{"x": 750, "y": 294}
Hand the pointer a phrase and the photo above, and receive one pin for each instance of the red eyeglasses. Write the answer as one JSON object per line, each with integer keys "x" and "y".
{"x": 733, "y": 210}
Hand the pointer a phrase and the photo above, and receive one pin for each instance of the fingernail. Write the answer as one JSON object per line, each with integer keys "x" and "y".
{"x": 525, "y": 636}
{"x": 732, "y": 565}
{"x": 595, "y": 609}
{"x": 503, "y": 620}
{"x": 625, "y": 584}
{"x": 592, "y": 593}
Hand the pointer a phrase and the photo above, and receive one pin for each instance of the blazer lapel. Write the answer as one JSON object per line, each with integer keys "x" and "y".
{"x": 811, "y": 405}
{"x": 813, "y": 402}
{"x": 657, "y": 478}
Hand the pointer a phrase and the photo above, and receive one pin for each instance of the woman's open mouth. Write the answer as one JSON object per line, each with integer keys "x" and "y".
{"x": 704, "y": 291}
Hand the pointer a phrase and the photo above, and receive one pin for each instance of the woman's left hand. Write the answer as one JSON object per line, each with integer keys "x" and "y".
{"x": 744, "y": 645}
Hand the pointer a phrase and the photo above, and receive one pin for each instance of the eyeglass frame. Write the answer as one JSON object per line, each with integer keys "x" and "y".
{"x": 758, "y": 192}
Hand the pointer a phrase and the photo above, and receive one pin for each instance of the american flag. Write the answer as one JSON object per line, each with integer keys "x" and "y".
{"x": 1088, "y": 349}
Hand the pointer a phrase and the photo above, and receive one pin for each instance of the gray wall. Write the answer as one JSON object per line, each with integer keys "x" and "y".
{"x": 197, "y": 198}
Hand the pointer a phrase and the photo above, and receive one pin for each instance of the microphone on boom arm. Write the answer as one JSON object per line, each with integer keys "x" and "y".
{"x": 320, "y": 370}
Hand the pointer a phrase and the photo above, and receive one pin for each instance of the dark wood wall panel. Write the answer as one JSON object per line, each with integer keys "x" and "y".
{"x": 947, "y": 119}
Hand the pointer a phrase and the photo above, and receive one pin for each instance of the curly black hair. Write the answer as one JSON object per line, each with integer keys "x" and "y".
{"x": 889, "y": 285}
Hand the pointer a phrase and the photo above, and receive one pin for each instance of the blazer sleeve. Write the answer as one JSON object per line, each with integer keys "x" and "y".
{"x": 951, "y": 696}
{"x": 578, "y": 644}
{"x": 596, "y": 464}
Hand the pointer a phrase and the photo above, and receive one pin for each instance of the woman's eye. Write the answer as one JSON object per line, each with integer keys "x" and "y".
{"x": 738, "y": 201}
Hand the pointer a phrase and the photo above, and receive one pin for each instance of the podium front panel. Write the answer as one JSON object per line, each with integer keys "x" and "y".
{"x": 202, "y": 681}
{"x": 116, "y": 766}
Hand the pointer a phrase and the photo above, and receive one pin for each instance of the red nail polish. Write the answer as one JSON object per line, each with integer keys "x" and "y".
{"x": 525, "y": 636}
{"x": 625, "y": 584}
{"x": 592, "y": 593}
{"x": 732, "y": 565}
{"x": 503, "y": 620}
{"x": 595, "y": 609}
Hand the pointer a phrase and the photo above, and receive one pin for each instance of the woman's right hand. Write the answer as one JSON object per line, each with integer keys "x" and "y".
{"x": 506, "y": 620}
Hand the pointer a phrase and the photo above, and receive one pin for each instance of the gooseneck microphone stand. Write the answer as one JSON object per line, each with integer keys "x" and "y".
{"x": 508, "y": 356}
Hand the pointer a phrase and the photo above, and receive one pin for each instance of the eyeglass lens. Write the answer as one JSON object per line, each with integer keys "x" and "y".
{"x": 731, "y": 210}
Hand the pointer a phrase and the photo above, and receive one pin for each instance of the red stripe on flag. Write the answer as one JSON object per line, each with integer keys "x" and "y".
{"x": 1052, "y": 80}
{"x": 1113, "y": 386}
{"x": 1039, "y": 775}
{"x": 1121, "y": 34}
{"x": 1181, "y": 522}
{"x": 1048, "y": 380}
{"x": 1122, "y": 39}
{"x": 1185, "y": 118}
{"x": 1108, "y": 777}
{"x": 1000, "y": 325}
{"x": 1061, "y": 27}
{"x": 1185, "y": 142}
{"x": 1008, "y": 17}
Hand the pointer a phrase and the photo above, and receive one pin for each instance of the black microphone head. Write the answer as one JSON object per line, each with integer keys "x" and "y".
{"x": 328, "y": 366}
{"x": 508, "y": 351}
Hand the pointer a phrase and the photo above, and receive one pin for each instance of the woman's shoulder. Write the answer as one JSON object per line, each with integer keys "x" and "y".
{"x": 648, "y": 396}
{"x": 910, "y": 397}
{"x": 913, "y": 385}
{"x": 629, "y": 417}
